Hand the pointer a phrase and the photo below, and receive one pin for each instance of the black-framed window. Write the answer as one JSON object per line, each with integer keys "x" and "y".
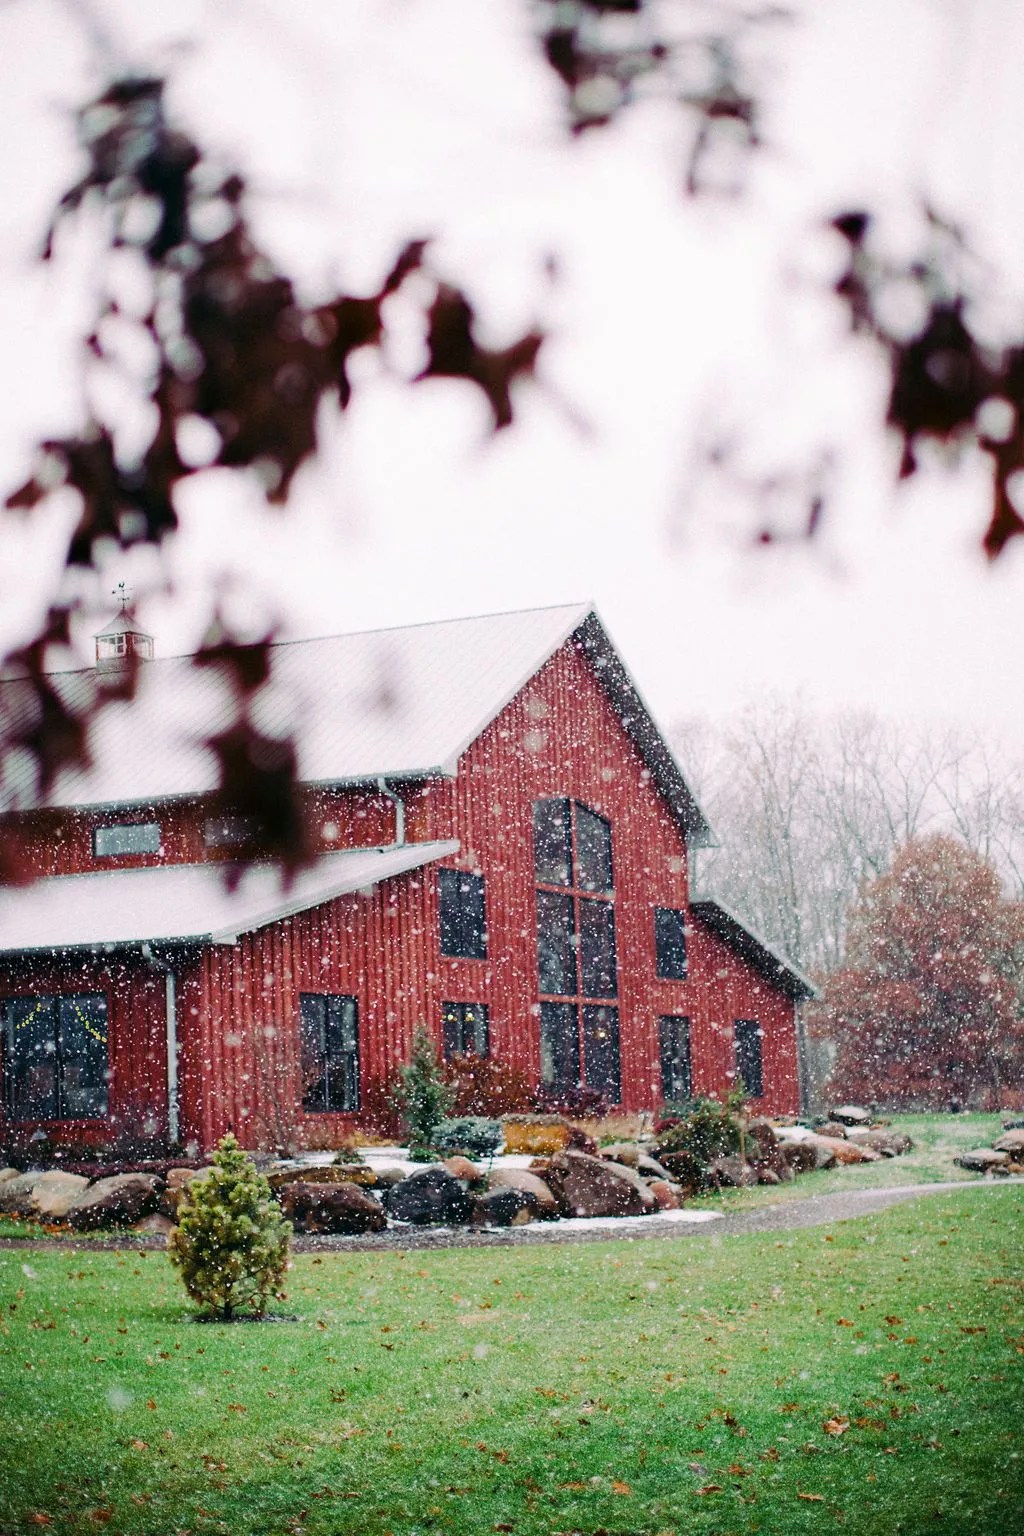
{"x": 126, "y": 837}
{"x": 747, "y": 1033}
{"x": 56, "y": 1059}
{"x": 676, "y": 1061}
{"x": 572, "y": 846}
{"x": 559, "y": 1046}
{"x": 598, "y": 970}
{"x": 552, "y": 842}
{"x": 601, "y": 1050}
{"x": 670, "y": 943}
{"x": 463, "y": 914}
{"x": 329, "y": 1052}
{"x": 466, "y": 1030}
{"x": 593, "y": 850}
{"x": 556, "y": 943}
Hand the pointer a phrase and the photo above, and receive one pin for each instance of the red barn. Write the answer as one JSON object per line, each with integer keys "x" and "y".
{"x": 504, "y": 853}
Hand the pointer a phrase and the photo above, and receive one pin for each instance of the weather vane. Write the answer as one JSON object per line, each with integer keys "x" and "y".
{"x": 122, "y": 596}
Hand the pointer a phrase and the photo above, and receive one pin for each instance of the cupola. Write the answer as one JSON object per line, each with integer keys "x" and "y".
{"x": 122, "y": 642}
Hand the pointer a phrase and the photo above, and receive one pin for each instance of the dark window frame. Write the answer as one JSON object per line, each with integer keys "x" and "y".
{"x": 462, "y": 914}
{"x": 671, "y": 961}
{"x": 338, "y": 1074}
{"x": 145, "y": 846}
{"x": 748, "y": 1038}
{"x": 456, "y": 1018}
{"x": 676, "y": 1067}
{"x": 65, "y": 1061}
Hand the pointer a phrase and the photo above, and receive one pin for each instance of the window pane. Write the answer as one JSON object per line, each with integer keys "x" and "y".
{"x": 559, "y": 1047}
{"x": 30, "y": 1058}
{"x": 83, "y": 1056}
{"x": 475, "y": 1033}
{"x": 597, "y": 949}
{"x": 593, "y": 851}
{"x": 556, "y": 952}
{"x": 342, "y": 1054}
{"x": 676, "y": 1070}
{"x": 552, "y": 842}
{"x": 463, "y": 916}
{"x": 132, "y": 837}
{"x": 601, "y": 1051}
{"x": 313, "y": 1050}
{"x": 748, "y": 1056}
{"x": 228, "y": 831}
{"x": 670, "y": 943}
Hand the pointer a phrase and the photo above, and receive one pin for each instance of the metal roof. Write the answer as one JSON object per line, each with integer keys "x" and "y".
{"x": 773, "y": 966}
{"x": 180, "y": 903}
{"x": 397, "y": 703}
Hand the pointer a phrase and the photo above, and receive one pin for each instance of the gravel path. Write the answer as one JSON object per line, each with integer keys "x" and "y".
{"x": 787, "y": 1215}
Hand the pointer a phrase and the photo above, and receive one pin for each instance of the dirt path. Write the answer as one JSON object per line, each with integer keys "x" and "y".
{"x": 787, "y": 1215}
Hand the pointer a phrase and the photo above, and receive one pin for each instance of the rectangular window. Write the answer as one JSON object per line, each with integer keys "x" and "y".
{"x": 552, "y": 842}
{"x": 670, "y": 943}
{"x": 593, "y": 851}
{"x": 126, "y": 837}
{"x": 748, "y": 1056}
{"x": 466, "y": 1031}
{"x": 556, "y": 947}
{"x": 559, "y": 1046}
{"x": 463, "y": 916}
{"x": 228, "y": 831}
{"x": 676, "y": 1067}
{"x": 598, "y": 972}
{"x": 601, "y": 1051}
{"x": 55, "y": 1057}
{"x": 329, "y": 1052}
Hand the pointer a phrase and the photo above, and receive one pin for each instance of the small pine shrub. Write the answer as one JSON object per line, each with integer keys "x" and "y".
{"x": 483, "y": 1085}
{"x": 231, "y": 1241}
{"x": 709, "y": 1129}
{"x": 422, "y": 1097}
{"x": 472, "y": 1136}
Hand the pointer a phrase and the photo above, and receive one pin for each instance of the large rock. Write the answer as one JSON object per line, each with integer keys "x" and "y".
{"x": 1011, "y": 1123}
{"x": 983, "y": 1160}
{"x": 54, "y": 1193}
{"x": 808, "y": 1154}
{"x": 461, "y": 1168}
{"x": 527, "y": 1183}
{"x": 504, "y": 1208}
{"x": 16, "y": 1194}
{"x": 118, "y": 1201}
{"x": 832, "y": 1128}
{"x": 769, "y": 1157}
{"x": 178, "y": 1179}
{"x": 332, "y": 1208}
{"x": 156, "y": 1224}
{"x": 590, "y": 1186}
{"x": 667, "y": 1196}
{"x": 729, "y": 1172}
{"x": 851, "y": 1114}
{"x": 845, "y": 1151}
{"x": 631, "y": 1156}
{"x": 431, "y": 1196}
{"x": 1011, "y": 1141}
{"x": 887, "y": 1143}
{"x": 6, "y": 1174}
{"x": 389, "y": 1176}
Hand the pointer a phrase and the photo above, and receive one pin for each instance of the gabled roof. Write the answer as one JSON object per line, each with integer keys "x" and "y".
{"x": 397, "y": 703}
{"x": 758, "y": 953}
{"x": 187, "y": 903}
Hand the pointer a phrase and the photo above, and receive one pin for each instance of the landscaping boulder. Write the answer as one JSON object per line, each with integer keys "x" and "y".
{"x": 983, "y": 1160}
{"x": 667, "y": 1196}
{"x": 177, "y": 1180}
{"x": 332, "y": 1208}
{"x": 1011, "y": 1123}
{"x": 591, "y": 1186}
{"x": 461, "y": 1168}
{"x": 16, "y": 1194}
{"x": 504, "y": 1208}
{"x": 847, "y": 1151}
{"x": 118, "y": 1201}
{"x": 429, "y": 1196}
{"x": 156, "y": 1224}
{"x": 1012, "y": 1142}
{"x": 769, "y": 1157}
{"x": 625, "y": 1152}
{"x": 831, "y": 1128}
{"x": 886, "y": 1143}
{"x": 851, "y": 1114}
{"x": 54, "y": 1193}
{"x": 809, "y": 1154}
{"x": 388, "y": 1177}
{"x": 6, "y": 1174}
{"x": 729, "y": 1172}
{"x": 527, "y": 1183}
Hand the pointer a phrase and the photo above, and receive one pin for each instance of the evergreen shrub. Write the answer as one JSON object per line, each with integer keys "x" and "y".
{"x": 472, "y": 1136}
{"x": 421, "y": 1096}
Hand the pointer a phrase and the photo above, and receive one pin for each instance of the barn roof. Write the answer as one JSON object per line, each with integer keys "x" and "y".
{"x": 772, "y": 965}
{"x": 397, "y": 703}
{"x": 187, "y": 902}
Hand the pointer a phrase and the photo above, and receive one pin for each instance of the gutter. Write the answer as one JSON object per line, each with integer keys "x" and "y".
{"x": 399, "y": 805}
{"x": 171, "y": 1011}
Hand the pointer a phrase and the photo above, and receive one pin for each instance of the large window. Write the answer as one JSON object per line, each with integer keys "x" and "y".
{"x": 55, "y": 1057}
{"x": 463, "y": 914}
{"x": 577, "y": 970}
{"x": 748, "y": 1056}
{"x": 466, "y": 1031}
{"x": 674, "y": 1051}
{"x": 126, "y": 837}
{"x": 670, "y": 943}
{"x": 329, "y": 1052}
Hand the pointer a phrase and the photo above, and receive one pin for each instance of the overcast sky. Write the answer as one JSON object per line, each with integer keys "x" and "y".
{"x": 365, "y": 123}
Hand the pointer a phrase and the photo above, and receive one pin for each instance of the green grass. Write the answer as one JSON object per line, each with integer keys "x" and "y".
{"x": 633, "y": 1388}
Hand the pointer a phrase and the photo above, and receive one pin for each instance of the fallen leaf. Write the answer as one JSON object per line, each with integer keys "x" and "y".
{"x": 812, "y": 1498}
{"x": 621, "y": 1488}
{"x": 708, "y": 1488}
{"x": 836, "y": 1426}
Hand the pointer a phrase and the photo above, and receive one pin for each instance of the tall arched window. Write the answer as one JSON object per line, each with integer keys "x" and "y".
{"x": 577, "y": 969}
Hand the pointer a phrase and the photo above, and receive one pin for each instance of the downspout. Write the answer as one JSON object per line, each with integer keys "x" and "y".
{"x": 171, "y": 1011}
{"x": 399, "y": 805}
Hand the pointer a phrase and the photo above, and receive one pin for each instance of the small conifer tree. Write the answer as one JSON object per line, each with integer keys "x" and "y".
{"x": 422, "y": 1096}
{"x": 231, "y": 1242}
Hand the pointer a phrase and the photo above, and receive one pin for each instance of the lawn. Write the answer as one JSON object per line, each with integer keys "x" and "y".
{"x": 866, "y": 1377}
